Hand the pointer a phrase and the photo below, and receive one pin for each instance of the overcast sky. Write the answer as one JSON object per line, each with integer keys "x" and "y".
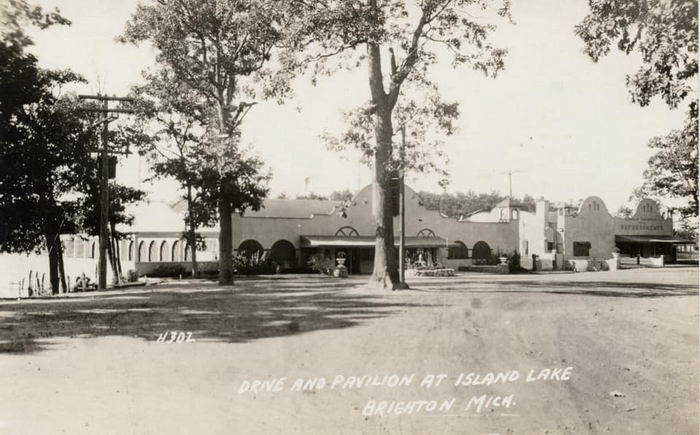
{"x": 565, "y": 124}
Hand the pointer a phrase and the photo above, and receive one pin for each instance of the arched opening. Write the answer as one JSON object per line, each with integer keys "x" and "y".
{"x": 175, "y": 251}
{"x": 283, "y": 253}
{"x": 426, "y": 232}
{"x": 164, "y": 254}
{"x": 212, "y": 245}
{"x": 152, "y": 251}
{"x": 130, "y": 251}
{"x": 69, "y": 247}
{"x": 250, "y": 247}
{"x": 188, "y": 252}
{"x": 481, "y": 250}
{"x": 347, "y": 232}
{"x": 93, "y": 249}
{"x": 458, "y": 251}
{"x": 143, "y": 253}
{"x": 79, "y": 248}
{"x": 123, "y": 251}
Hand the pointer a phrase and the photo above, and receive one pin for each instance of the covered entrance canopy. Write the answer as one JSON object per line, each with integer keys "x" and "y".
{"x": 651, "y": 239}
{"x": 368, "y": 242}
{"x": 359, "y": 250}
{"x": 650, "y": 246}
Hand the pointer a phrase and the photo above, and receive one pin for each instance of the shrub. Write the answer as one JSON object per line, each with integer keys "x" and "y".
{"x": 168, "y": 271}
{"x": 435, "y": 272}
{"x": 514, "y": 263}
{"x": 595, "y": 265}
{"x": 259, "y": 263}
{"x": 132, "y": 275}
{"x": 321, "y": 264}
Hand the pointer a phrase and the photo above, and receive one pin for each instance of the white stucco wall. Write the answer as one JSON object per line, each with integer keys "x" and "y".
{"x": 594, "y": 224}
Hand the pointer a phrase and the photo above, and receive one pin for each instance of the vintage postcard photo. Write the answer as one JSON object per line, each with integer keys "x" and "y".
{"x": 349, "y": 217}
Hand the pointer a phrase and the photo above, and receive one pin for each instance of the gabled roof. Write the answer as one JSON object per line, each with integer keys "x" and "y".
{"x": 509, "y": 203}
{"x": 281, "y": 208}
{"x": 293, "y": 208}
{"x": 157, "y": 216}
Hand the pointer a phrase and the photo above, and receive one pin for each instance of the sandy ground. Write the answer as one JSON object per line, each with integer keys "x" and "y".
{"x": 93, "y": 364}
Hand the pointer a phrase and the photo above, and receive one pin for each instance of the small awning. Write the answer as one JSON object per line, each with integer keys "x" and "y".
{"x": 652, "y": 239}
{"x": 368, "y": 242}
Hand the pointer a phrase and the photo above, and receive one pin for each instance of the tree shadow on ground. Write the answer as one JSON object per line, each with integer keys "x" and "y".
{"x": 248, "y": 311}
{"x": 592, "y": 288}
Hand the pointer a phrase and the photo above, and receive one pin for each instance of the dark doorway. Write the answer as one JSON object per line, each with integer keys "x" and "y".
{"x": 481, "y": 251}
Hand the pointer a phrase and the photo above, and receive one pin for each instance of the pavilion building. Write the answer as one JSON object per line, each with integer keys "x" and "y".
{"x": 292, "y": 231}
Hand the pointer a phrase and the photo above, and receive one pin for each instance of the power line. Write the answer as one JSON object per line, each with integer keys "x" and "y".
{"x": 104, "y": 152}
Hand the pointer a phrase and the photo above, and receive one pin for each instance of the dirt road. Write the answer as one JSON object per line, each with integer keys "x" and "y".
{"x": 619, "y": 350}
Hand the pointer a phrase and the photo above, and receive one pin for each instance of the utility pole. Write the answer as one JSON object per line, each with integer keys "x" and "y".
{"x": 104, "y": 154}
{"x": 510, "y": 182}
{"x": 402, "y": 210}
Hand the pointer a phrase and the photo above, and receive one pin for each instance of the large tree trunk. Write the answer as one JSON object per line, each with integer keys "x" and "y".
{"x": 110, "y": 256}
{"x": 225, "y": 220}
{"x": 51, "y": 241}
{"x": 225, "y": 244}
{"x": 62, "y": 269}
{"x": 117, "y": 252}
{"x": 192, "y": 235}
{"x": 386, "y": 273}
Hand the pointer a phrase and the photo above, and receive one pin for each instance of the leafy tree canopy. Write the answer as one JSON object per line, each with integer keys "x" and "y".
{"x": 220, "y": 50}
{"x": 15, "y": 15}
{"x": 664, "y": 33}
{"x": 399, "y": 42}
{"x": 460, "y": 204}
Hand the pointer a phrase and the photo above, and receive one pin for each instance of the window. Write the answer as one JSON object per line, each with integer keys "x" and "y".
{"x": 526, "y": 247}
{"x": 550, "y": 246}
{"x": 347, "y": 232}
{"x": 426, "y": 232}
{"x": 582, "y": 249}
